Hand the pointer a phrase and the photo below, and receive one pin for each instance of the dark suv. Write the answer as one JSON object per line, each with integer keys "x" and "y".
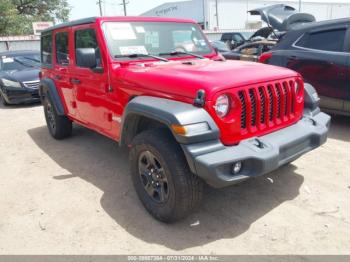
{"x": 320, "y": 53}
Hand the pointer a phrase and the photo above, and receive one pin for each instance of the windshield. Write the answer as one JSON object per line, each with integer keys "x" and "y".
{"x": 247, "y": 35}
{"x": 19, "y": 62}
{"x": 127, "y": 38}
{"x": 220, "y": 45}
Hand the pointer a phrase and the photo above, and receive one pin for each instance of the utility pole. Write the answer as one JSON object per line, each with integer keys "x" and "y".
{"x": 99, "y": 2}
{"x": 124, "y": 6}
{"x": 299, "y": 6}
{"x": 217, "y": 13}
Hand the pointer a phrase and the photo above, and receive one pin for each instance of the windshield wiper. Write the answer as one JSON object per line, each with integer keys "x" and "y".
{"x": 173, "y": 53}
{"x": 143, "y": 55}
{"x": 32, "y": 59}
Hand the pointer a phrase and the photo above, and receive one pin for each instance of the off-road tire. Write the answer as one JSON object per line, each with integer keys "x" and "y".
{"x": 59, "y": 126}
{"x": 184, "y": 188}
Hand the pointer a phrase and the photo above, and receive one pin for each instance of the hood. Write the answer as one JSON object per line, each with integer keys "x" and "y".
{"x": 282, "y": 17}
{"x": 262, "y": 32}
{"x": 185, "y": 79}
{"x": 30, "y": 74}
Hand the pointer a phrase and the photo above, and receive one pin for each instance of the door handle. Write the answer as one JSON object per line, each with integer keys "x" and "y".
{"x": 58, "y": 77}
{"x": 75, "y": 81}
{"x": 293, "y": 57}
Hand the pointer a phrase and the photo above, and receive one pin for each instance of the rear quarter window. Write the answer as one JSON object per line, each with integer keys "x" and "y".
{"x": 330, "y": 40}
{"x": 226, "y": 37}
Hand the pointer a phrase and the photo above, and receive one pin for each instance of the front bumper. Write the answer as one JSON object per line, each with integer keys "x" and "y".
{"x": 20, "y": 95}
{"x": 213, "y": 161}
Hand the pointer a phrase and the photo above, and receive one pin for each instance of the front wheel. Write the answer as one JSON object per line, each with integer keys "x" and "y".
{"x": 59, "y": 126}
{"x": 3, "y": 101}
{"x": 161, "y": 176}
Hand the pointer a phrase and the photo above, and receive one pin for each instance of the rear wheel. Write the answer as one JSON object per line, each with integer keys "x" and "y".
{"x": 161, "y": 176}
{"x": 59, "y": 126}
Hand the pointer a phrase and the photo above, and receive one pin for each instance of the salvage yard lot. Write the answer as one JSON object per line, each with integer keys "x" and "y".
{"x": 75, "y": 197}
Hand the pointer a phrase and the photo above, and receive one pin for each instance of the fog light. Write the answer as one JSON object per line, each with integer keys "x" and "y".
{"x": 236, "y": 168}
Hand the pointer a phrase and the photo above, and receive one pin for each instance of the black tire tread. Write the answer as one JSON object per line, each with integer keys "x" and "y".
{"x": 189, "y": 187}
{"x": 63, "y": 124}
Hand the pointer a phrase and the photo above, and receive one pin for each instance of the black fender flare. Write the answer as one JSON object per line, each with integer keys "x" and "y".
{"x": 48, "y": 87}
{"x": 169, "y": 112}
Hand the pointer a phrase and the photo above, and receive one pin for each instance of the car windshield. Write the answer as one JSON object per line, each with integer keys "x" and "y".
{"x": 247, "y": 35}
{"x": 125, "y": 39}
{"x": 220, "y": 45}
{"x": 20, "y": 62}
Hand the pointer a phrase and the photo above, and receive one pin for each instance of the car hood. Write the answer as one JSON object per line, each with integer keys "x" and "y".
{"x": 262, "y": 32}
{"x": 282, "y": 17}
{"x": 30, "y": 74}
{"x": 186, "y": 78}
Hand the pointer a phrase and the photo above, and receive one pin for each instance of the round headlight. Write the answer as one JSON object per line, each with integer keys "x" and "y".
{"x": 222, "y": 105}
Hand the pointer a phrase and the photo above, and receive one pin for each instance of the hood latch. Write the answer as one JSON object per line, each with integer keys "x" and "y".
{"x": 199, "y": 101}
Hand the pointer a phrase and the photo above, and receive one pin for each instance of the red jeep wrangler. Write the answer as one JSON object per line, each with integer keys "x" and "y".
{"x": 156, "y": 85}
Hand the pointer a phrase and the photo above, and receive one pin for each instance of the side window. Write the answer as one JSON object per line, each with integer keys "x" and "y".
{"x": 226, "y": 37}
{"x": 62, "y": 48}
{"x": 237, "y": 38}
{"x": 331, "y": 40}
{"x": 46, "y": 49}
{"x": 86, "y": 38}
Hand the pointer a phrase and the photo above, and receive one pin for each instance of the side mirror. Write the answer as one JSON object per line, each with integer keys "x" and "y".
{"x": 86, "y": 57}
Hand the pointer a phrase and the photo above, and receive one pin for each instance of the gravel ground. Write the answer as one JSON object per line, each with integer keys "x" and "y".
{"x": 75, "y": 197}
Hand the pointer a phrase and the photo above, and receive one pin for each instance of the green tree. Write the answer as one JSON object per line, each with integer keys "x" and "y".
{"x": 16, "y": 16}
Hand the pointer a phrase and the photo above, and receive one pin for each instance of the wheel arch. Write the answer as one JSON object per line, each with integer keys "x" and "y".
{"x": 144, "y": 112}
{"x": 164, "y": 112}
{"x": 48, "y": 87}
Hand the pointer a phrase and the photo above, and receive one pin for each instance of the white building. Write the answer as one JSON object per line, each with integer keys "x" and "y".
{"x": 30, "y": 42}
{"x": 232, "y": 14}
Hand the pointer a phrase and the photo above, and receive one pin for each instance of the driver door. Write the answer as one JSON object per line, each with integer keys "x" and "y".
{"x": 90, "y": 86}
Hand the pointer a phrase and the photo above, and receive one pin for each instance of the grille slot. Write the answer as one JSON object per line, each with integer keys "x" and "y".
{"x": 285, "y": 90}
{"x": 244, "y": 109}
{"x": 253, "y": 103}
{"x": 278, "y": 93}
{"x": 263, "y": 103}
{"x": 269, "y": 91}
{"x": 266, "y": 104}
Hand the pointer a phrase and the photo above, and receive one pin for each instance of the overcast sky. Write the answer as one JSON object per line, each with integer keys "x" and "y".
{"x": 86, "y": 8}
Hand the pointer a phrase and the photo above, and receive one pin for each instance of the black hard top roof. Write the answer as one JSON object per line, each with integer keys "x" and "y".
{"x": 83, "y": 21}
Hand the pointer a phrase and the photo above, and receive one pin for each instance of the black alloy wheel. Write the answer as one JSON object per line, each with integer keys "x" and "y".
{"x": 153, "y": 177}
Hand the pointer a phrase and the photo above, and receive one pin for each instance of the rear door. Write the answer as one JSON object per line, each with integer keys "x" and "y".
{"x": 62, "y": 62}
{"x": 320, "y": 57}
{"x": 91, "y": 86}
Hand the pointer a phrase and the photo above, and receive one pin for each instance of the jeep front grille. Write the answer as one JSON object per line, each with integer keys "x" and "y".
{"x": 267, "y": 105}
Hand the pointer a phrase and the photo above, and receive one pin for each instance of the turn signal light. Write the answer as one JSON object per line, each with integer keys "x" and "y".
{"x": 192, "y": 129}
